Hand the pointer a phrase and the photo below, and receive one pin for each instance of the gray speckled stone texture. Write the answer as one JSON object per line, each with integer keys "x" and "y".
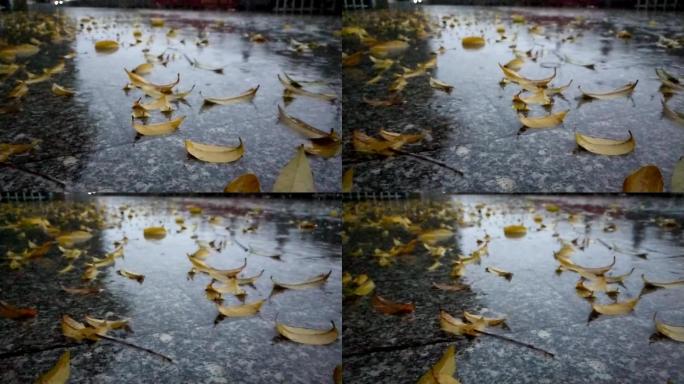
{"x": 540, "y": 306}
{"x": 475, "y": 129}
{"x": 88, "y": 140}
{"x": 169, "y": 313}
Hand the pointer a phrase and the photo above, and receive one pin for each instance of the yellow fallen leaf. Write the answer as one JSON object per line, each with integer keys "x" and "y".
{"x": 308, "y": 335}
{"x": 352, "y": 60}
{"x": 674, "y": 332}
{"x": 453, "y": 325}
{"x": 90, "y": 273}
{"x": 473, "y": 42}
{"x": 402, "y": 138}
{"x": 68, "y": 240}
{"x": 389, "y": 48}
{"x": 669, "y": 80}
{"x": 645, "y": 179}
{"x": 296, "y": 176}
{"x": 557, "y": 90}
{"x": 516, "y": 18}
{"x": 103, "y": 326}
{"x": 142, "y": 83}
{"x": 607, "y": 147}
{"x": 539, "y": 97}
{"x": 59, "y": 374}
{"x": 218, "y": 274}
{"x": 434, "y": 236}
{"x": 215, "y": 153}
{"x": 154, "y": 232}
{"x": 625, "y": 90}
{"x": 619, "y": 308}
{"x": 294, "y": 88}
{"x": 490, "y": 321}
{"x": 229, "y": 285}
{"x": 156, "y": 21}
{"x": 106, "y": 46}
{"x": 61, "y": 91}
{"x": 325, "y": 147}
{"x": 19, "y": 91}
{"x": 442, "y": 372}
{"x": 7, "y": 150}
{"x": 247, "y": 183}
{"x": 156, "y": 129}
{"x": 143, "y": 69}
{"x": 675, "y": 116}
{"x": 241, "y": 310}
{"x": 543, "y": 121}
{"x": 677, "y": 183}
{"x": 18, "y": 51}
{"x": 515, "y": 64}
{"x": 348, "y": 180}
{"x": 303, "y": 128}
{"x": 311, "y": 283}
{"x": 500, "y": 272}
{"x": 528, "y": 84}
{"x": 515, "y": 230}
{"x": 436, "y": 84}
{"x": 624, "y": 35}
{"x": 131, "y": 275}
{"x": 244, "y": 96}
{"x": 77, "y": 330}
{"x": 364, "y": 288}
{"x": 653, "y": 284}
{"x": 398, "y": 85}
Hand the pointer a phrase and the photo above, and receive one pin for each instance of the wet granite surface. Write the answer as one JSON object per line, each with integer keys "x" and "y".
{"x": 475, "y": 129}
{"x": 169, "y": 312}
{"x": 88, "y": 143}
{"x": 540, "y": 305}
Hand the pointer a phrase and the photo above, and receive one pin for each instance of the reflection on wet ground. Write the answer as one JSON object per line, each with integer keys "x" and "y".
{"x": 476, "y": 130}
{"x": 170, "y": 312}
{"x": 88, "y": 142}
{"x": 540, "y": 303}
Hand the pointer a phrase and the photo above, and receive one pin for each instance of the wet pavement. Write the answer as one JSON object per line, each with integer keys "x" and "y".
{"x": 541, "y": 306}
{"x": 169, "y": 312}
{"x": 475, "y": 129}
{"x": 88, "y": 142}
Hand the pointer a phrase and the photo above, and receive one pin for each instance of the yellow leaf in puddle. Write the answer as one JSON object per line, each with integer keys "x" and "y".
{"x": 303, "y": 128}
{"x": 619, "y": 308}
{"x": 310, "y": 283}
{"x": 230, "y": 286}
{"x": 68, "y": 240}
{"x": 292, "y": 87}
{"x": 653, "y": 284}
{"x": 674, "y": 332}
{"x": 106, "y": 46}
{"x": 539, "y": 97}
{"x": 473, "y": 42}
{"x": 669, "y": 80}
{"x": 543, "y": 121}
{"x": 436, "y": 84}
{"x": 215, "y": 153}
{"x": 348, "y": 180}
{"x": 154, "y": 232}
{"x": 308, "y": 335}
{"x": 625, "y": 90}
{"x": 156, "y": 129}
{"x": 131, "y": 275}
{"x": 515, "y": 230}
{"x": 296, "y": 176}
{"x": 389, "y": 48}
{"x": 247, "y": 183}
{"x": 607, "y": 147}
{"x": 558, "y": 90}
{"x": 624, "y": 35}
{"x": 162, "y": 103}
{"x": 244, "y": 96}
{"x": 156, "y": 21}
{"x": 519, "y": 19}
{"x": 61, "y": 91}
{"x": 645, "y": 179}
{"x": 515, "y": 64}
{"x": 500, "y": 272}
{"x": 241, "y": 310}
{"x": 59, "y": 374}
{"x": 528, "y": 84}
{"x": 442, "y": 372}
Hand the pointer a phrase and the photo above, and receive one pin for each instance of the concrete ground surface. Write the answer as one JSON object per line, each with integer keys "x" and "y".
{"x": 541, "y": 306}
{"x": 475, "y": 129}
{"x": 88, "y": 142}
{"x": 169, "y": 312}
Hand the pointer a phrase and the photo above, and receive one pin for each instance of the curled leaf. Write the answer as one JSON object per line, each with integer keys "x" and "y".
{"x": 11, "y": 312}
{"x": 244, "y": 96}
{"x": 131, "y": 275}
{"x": 607, "y": 147}
{"x": 677, "y": 117}
{"x": 308, "y": 335}
{"x": 247, "y": 183}
{"x": 625, "y": 90}
{"x": 619, "y": 308}
{"x": 473, "y": 42}
{"x": 653, "y": 284}
{"x": 515, "y": 230}
{"x": 442, "y": 86}
{"x": 143, "y": 69}
{"x": 241, "y": 310}
{"x": 674, "y": 332}
{"x": 68, "y": 240}
{"x": 106, "y": 46}
{"x": 215, "y": 153}
{"x": 61, "y": 91}
{"x": 310, "y": 283}
{"x": 442, "y": 372}
{"x": 543, "y": 121}
{"x": 645, "y": 179}
{"x": 434, "y": 236}
{"x": 154, "y": 232}
{"x": 303, "y": 128}
{"x": 388, "y": 48}
{"x": 500, "y": 272}
{"x": 156, "y": 129}
{"x": 348, "y": 180}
